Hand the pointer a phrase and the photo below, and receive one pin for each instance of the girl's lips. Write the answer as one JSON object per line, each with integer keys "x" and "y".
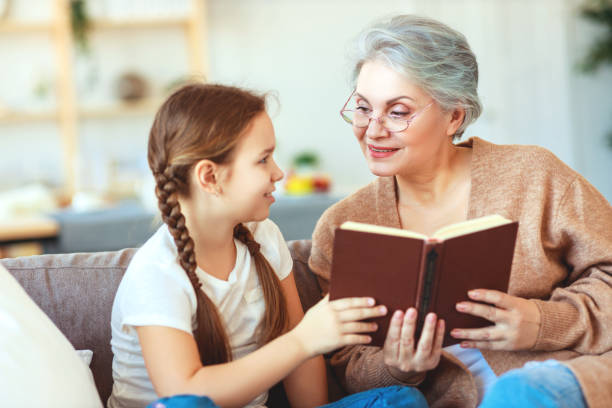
{"x": 270, "y": 197}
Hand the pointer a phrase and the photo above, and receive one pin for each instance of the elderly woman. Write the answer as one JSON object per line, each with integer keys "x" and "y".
{"x": 415, "y": 94}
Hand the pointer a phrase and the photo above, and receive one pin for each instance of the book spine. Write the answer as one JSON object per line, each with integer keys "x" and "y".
{"x": 430, "y": 263}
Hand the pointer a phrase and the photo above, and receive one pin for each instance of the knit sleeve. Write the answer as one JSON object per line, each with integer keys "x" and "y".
{"x": 577, "y": 316}
{"x": 361, "y": 368}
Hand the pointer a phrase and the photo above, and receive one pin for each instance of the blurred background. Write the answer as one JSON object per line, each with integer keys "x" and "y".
{"x": 80, "y": 82}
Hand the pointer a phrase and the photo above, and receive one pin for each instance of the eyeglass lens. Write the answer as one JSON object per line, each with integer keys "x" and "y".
{"x": 360, "y": 114}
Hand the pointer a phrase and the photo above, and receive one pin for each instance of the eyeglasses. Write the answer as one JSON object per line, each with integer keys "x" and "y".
{"x": 393, "y": 121}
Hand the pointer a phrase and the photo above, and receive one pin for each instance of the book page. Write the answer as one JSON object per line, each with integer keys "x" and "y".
{"x": 473, "y": 225}
{"x": 377, "y": 229}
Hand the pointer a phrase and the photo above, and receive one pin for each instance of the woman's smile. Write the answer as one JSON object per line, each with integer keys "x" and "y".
{"x": 381, "y": 152}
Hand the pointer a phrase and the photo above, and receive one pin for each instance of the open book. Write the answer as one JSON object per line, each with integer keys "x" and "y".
{"x": 401, "y": 268}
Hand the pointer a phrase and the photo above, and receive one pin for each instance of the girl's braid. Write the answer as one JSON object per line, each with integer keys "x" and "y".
{"x": 166, "y": 190}
{"x": 276, "y": 318}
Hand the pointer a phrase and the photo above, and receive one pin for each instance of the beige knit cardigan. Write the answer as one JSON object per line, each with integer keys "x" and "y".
{"x": 562, "y": 260}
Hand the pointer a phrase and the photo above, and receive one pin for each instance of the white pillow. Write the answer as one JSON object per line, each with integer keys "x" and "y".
{"x": 85, "y": 356}
{"x": 38, "y": 366}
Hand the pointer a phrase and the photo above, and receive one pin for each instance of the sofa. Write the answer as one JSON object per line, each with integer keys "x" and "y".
{"x": 77, "y": 290}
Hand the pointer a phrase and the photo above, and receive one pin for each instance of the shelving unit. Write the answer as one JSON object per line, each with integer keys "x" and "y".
{"x": 18, "y": 27}
{"x": 69, "y": 113}
{"x": 26, "y": 117}
{"x": 121, "y": 109}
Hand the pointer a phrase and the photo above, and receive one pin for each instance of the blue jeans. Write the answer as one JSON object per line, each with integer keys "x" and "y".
{"x": 537, "y": 384}
{"x": 395, "y": 396}
{"x": 183, "y": 401}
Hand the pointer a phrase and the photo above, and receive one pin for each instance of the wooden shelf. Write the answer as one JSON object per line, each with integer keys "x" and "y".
{"x": 70, "y": 112}
{"x": 25, "y": 117}
{"x": 28, "y": 228}
{"x": 24, "y": 27}
{"x": 140, "y": 23}
{"x": 145, "y": 107}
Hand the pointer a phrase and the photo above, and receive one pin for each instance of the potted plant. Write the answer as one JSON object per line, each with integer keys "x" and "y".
{"x": 80, "y": 23}
{"x": 600, "y": 53}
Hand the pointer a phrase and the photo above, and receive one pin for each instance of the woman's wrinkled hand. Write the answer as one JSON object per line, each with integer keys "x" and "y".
{"x": 516, "y": 321}
{"x": 406, "y": 359}
{"x": 329, "y": 325}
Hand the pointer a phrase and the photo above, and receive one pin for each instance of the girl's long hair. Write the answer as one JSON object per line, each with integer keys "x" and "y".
{"x": 202, "y": 121}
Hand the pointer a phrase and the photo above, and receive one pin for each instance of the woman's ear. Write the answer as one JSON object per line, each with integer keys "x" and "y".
{"x": 456, "y": 120}
{"x": 205, "y": 174}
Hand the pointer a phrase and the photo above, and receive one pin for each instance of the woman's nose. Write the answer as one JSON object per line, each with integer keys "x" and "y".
{"x": 375, "y": 129}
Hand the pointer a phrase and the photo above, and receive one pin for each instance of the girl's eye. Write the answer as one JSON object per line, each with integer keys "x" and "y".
{"x": 264, "y": 160}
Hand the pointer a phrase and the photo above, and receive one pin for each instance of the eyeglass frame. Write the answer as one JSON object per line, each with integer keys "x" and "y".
{"x": 371, "y": 117}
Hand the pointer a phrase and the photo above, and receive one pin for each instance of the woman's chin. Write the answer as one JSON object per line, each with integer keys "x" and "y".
{"x": 381, "y": 170}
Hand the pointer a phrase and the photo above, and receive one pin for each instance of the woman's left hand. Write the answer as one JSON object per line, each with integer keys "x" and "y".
{"x": 517, "y": 321}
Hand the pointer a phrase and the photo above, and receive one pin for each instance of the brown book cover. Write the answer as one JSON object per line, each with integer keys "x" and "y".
{"x": 431, "y": 274}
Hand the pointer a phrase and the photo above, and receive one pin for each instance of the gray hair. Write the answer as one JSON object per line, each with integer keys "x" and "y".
{"x": 437, "y": 58}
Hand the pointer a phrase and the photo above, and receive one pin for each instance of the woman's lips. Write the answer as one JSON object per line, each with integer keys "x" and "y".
{"x": 381, "y": 152}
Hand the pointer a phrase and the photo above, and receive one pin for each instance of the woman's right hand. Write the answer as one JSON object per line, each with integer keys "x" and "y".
{"x": 329, "y": 325}
{"x": 405, "y": 361}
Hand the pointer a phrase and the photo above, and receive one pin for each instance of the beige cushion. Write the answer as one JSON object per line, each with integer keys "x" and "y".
{"x": 305, "y": 280}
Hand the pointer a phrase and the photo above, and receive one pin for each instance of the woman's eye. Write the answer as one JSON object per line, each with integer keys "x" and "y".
{"x": 363, "y": 109}
{"x": 264, "y": 160}
{"x": 399, "y": 114}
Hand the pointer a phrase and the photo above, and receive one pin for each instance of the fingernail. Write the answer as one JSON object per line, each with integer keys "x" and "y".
{"x": 431, "y": 317}
{"x": 465, "y": 344}
{"x": 382, "y": 309}
{"x": 474, "y": 294}
{"x": 397, "y": 315}
{"x": 455, "y": 333}
{"x": 462, "y": 307}
{"x": 371, "y": 301}
{"x": 411, "y": 314}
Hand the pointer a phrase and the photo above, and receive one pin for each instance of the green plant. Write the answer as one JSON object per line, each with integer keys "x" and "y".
{"x": 80, "y": 24}
{"x": 599, "y": 11}
{"x": 306, "y": 159}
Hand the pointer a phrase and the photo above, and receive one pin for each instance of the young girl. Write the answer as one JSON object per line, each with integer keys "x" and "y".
{"x": 208, "y": 305}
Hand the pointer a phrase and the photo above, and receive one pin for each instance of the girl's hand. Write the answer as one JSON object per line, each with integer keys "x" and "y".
{"x": 517, "y": 321}
{"x": 404, "y": 361}
{"x": 330, "y": 325}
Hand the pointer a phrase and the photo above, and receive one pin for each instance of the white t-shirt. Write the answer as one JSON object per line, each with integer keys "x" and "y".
{"x": 156, "y": 291}
{"x": 38, "y": 365}
{"x": 478, "y": 366}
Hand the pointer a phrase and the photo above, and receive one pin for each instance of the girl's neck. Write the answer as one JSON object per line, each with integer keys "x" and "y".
{"x": 425, "y": 185}
{"x": 213, "y": 239}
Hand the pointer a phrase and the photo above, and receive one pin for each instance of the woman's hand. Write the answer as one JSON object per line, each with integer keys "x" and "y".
{"x": 517, "y": 321}
{"x": 330, "y": 325}
{"x": 405, "y": 362}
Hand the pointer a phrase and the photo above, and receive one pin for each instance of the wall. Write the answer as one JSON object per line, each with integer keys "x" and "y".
{"x": 526, "y": 50}
{"x": 591, "y": 110}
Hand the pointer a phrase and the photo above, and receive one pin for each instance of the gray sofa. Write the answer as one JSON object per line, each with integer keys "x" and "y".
{"x": 77, "y": 291}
